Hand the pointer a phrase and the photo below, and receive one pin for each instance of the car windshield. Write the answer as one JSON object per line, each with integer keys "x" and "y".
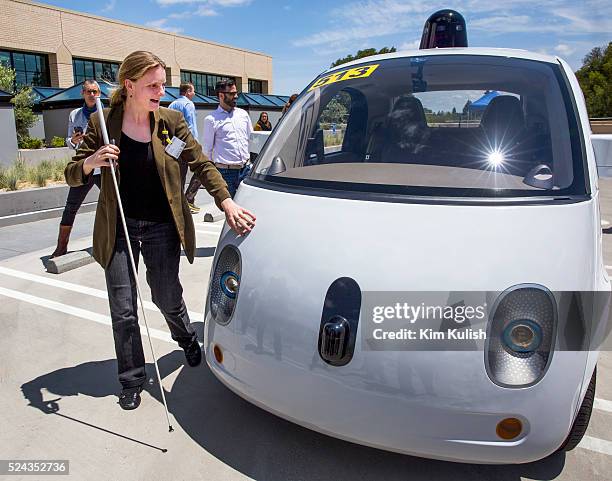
{"x": 449, "y": 125}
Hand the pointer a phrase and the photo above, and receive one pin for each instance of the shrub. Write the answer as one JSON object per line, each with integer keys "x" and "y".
{"x": 20, "y": 169}
{"x": 40, "y": 178}
{"x": 31, "y": 143}
{"x": 23, "y": 101}
{"x": 11, "y": 179}
{"x": 58, "y": 142}
{"x": 57, "y": 169}
{"x": 40, "y": 175}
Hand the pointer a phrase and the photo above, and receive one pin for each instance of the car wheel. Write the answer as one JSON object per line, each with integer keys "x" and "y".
{"x": 582, "y": 419}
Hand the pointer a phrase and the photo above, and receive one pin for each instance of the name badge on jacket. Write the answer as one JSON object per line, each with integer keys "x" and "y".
{"x": 175, "y": 147}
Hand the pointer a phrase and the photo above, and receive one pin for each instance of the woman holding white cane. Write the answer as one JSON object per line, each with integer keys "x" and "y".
{"x": 151, "y": 144}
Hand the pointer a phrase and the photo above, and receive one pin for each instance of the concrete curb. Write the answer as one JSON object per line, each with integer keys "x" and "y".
{"x": 212, "y": 213}
{"x": 36, "y": 156}
{"x": 28, "y": 205}
{"x": 67, "y": 262}
{"x": 41, "y": 215}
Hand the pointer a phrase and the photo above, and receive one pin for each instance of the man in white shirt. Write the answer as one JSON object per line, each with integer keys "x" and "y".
{"x": 226, "y": 136}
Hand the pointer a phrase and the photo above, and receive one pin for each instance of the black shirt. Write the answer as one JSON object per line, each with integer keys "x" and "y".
{"x": 141, "y": 190}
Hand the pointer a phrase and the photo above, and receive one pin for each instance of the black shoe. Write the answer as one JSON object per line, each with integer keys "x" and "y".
{"x": 193, "y": 353}
{"x": 130, "y": 398}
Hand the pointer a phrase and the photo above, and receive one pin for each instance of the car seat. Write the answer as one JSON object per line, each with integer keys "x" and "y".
{"x": 405, "y": 132}
{"x": 503, "y": 122}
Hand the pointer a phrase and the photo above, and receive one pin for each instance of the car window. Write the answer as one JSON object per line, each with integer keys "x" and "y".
{"x": 452, "y": 125}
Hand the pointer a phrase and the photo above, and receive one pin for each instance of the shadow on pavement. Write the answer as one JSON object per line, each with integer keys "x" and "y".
{"x": 261, "y": 445}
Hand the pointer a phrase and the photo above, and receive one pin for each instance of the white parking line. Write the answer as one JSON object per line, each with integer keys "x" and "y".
{"x": 209, "y": 224}
{"x": 208, "y": 230}
{"x": 595, "y": 444}
{"x": 603, "y": 405}
{"x": 77, "y": 312}
{"x": 90, "y": 291}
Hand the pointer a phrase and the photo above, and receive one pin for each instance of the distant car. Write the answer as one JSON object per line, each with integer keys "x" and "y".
{"x": 419, "y": 192}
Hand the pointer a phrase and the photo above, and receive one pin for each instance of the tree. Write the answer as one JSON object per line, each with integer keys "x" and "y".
{"x": 24, "y": 117}
{"x": 363, "y": 53}
{"x": 7, "y": 78}
{"x": 595, "y": 78}
{"x": 22, "y": 102}
{"x": 337, "y": 110}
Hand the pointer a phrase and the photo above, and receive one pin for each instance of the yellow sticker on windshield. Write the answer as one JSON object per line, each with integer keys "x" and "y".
{"x": 351, "y": 73}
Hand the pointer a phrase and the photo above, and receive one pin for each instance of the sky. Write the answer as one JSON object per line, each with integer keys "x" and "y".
{"x": 304, "y": 38}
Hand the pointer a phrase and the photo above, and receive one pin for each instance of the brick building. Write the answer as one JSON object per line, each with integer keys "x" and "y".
{"x": 46, "y": 47}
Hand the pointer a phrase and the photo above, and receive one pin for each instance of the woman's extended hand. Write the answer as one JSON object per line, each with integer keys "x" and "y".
{"x": 100, "y": 158}
{"x": 240, "y": 220}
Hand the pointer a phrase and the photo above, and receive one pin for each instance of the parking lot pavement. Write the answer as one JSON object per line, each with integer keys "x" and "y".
{"x": 58, "y": 385}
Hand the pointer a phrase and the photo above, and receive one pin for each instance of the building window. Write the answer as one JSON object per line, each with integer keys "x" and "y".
{"x": 94, "y": 69}
{"x": 203, "y": 83}
{"x": 30, "y": 68}
{"x": 255, "y": 86}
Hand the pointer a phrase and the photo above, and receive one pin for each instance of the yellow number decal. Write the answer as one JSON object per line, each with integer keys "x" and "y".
{"x": 352, "y": 73}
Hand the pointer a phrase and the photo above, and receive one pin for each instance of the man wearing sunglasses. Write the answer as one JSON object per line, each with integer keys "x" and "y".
{"x": 77, "y": 126}
{"x": 226, "y": 136}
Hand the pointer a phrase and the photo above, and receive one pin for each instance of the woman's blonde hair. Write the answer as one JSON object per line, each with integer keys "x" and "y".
{"x": 133, "y": 67}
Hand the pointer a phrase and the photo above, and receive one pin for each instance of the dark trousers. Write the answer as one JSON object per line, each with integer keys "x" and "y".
{"x": 160, "y": 247}
{"x": 76, "y": 196}
{"x": 232, "y": 178}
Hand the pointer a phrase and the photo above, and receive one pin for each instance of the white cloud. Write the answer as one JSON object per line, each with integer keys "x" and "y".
{"x": 205, "y": 8}
{"x": 564, "y": 49}
{"x": 367, "y": 19}
{"x": 161, "y": 25}
{"x": 180, "y": 16}
{"x": 110, "y": 6}
{"x": 204, "y": 11}
{"x": 220, "y": 3}
{"x": 410, "y": 45}
{"x": 583, "y": 22}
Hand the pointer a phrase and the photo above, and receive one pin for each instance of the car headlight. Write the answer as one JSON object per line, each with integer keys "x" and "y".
{"x": 225, "y": 285}
{"x": 522, "y": 330}
{"x": 523, "y": 335}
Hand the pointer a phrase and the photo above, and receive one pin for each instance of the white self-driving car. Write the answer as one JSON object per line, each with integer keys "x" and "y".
{"x": 397, "y": 189}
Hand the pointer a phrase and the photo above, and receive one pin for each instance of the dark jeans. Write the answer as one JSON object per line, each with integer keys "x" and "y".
{"x": 232, "y": 177}
{"x": 160, "y": 247}
{"x": 76, "y": 196}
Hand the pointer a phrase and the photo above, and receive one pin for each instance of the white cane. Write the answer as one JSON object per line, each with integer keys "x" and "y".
{"x": 129, "y": 246}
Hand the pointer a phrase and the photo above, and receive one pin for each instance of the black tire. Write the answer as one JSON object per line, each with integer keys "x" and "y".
{"x": 581, "y": 423}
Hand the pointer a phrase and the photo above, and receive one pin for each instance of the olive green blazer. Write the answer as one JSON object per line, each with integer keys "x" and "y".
{"x": 171, "y": 173}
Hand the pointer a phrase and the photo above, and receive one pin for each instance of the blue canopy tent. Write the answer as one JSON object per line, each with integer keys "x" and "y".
{"x": 481, "y": 104}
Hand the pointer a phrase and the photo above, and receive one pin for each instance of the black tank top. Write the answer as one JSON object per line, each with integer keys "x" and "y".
{"x": 141, "y": 190}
